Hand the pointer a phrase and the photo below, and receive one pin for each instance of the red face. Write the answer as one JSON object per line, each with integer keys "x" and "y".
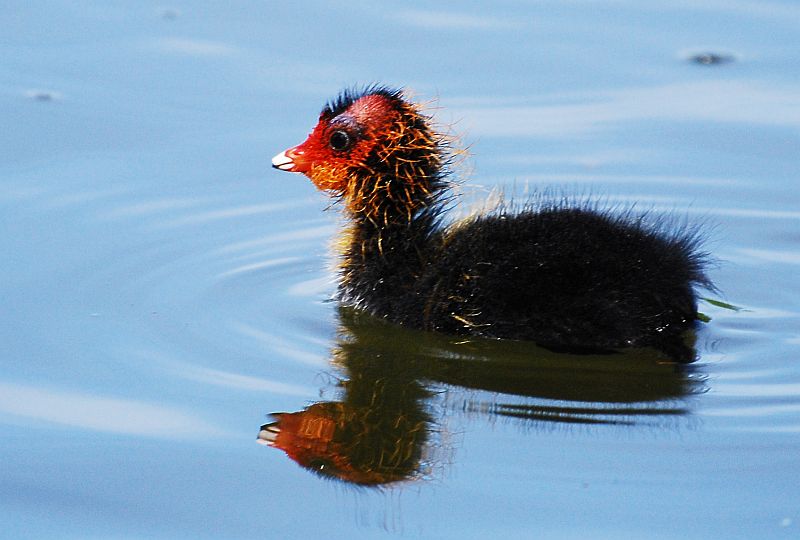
{"x": 318, "y": 438}
{"x": 339, "y": 145}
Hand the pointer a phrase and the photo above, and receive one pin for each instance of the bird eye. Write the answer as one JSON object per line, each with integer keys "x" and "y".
{"x": 339, "y": 140}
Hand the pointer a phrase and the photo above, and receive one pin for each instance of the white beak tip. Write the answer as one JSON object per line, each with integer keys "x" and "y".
{"x": 283, "y": 162}
{"x": 267, "y": 436}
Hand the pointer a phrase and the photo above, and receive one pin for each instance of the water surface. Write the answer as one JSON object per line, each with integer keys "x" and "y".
{"x": 165, "y": 290}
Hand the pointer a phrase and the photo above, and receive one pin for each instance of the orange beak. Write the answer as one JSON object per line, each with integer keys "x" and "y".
{"x": 292, "y": 160}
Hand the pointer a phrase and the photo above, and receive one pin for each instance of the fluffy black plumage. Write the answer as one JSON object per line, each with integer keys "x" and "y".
{"x": 569, "y": 277}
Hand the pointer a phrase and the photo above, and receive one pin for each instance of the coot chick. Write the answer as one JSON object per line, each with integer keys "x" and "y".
{"x": 567, "y": 275}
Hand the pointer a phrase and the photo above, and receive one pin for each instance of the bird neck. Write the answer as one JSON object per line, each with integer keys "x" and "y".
{"x": 387, "y": 241}
{"x": 393, "y": 202}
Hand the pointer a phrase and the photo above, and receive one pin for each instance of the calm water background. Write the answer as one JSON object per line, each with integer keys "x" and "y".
{"x": 164, "y": 290}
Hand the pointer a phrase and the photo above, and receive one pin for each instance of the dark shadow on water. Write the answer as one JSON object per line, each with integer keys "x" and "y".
{"x": 380, "y": 429}
{"x": 711, "y": 58}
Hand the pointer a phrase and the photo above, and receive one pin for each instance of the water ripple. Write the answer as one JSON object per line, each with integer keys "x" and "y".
{"x": 243, "y": 382}
{"x": 238, "y": 211}
{"x": 101, "y": 413}
{"x": 726, "y": 101}
{"x": 262, "y": 265}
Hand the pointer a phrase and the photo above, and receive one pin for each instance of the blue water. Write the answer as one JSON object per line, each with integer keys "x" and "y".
{"x": 164, "y": 289}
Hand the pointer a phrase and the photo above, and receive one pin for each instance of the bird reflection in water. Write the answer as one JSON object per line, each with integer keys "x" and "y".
{"x": 382, "y": 428}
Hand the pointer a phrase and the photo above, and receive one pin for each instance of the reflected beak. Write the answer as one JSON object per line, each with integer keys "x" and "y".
{"x": 269, "y": 433}
{"x": 292, "y": 160}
